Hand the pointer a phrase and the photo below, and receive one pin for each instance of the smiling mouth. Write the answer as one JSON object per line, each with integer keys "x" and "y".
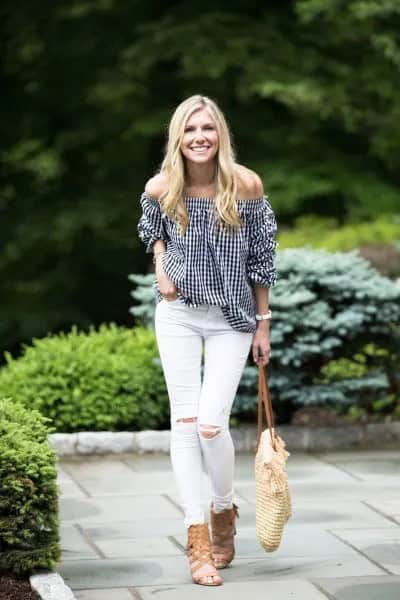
{"x": 199, "y": 148}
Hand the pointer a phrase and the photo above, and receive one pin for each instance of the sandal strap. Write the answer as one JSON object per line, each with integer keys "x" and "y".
{"x": 198, "y": 548}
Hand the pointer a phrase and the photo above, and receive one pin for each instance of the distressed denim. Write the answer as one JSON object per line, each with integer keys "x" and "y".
{"x": 196, "y": 341}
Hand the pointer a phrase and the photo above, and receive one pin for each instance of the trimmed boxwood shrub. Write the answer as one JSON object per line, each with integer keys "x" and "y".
{"x": 29, "y": 528}
{"x": 325, "y": 306}
{"x": 105, "y": 379}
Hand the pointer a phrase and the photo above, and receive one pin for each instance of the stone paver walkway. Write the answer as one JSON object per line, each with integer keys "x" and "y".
{"x": 123, "y": 535}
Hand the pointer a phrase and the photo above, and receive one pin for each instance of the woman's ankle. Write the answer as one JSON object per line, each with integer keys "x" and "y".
{"x": 221, "y": 506}
{"x": 188, "y": 524}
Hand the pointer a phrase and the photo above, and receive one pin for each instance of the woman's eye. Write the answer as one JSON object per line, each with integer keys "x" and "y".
{"x": 205, "y": 127}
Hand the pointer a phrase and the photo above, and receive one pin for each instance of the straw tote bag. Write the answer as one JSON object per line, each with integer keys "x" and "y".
{"x": 273, "y": 501}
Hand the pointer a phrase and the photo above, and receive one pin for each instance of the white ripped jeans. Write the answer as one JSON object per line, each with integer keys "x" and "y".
{"x": 200, "y": 410}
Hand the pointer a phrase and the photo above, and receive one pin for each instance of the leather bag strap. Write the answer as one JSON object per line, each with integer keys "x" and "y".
{"x": 264, "y": 398}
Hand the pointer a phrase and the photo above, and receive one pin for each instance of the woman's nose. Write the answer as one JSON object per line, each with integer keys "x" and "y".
{"x": 199, "y": 134}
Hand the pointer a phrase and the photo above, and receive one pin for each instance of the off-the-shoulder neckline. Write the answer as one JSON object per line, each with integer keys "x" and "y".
{"x": 211, "y": 198}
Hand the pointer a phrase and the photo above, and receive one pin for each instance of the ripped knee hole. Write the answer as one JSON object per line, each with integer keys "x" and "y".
{"x": 206, "y": 431}
{"x": 209, "y": 431}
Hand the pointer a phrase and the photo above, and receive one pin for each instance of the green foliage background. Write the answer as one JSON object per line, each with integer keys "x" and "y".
{"x": 335, "y": 338}
{"x": 310, "y": 89}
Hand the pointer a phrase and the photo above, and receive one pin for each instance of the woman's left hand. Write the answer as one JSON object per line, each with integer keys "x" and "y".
{"x": 261, "y": 346}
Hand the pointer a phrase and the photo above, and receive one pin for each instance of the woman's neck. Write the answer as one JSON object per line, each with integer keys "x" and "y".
{"x": 200, "y": 190}
{"x": 200, "y": 178}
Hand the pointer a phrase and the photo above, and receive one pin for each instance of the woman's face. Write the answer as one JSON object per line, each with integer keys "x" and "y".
{"x": 200, "y": 139}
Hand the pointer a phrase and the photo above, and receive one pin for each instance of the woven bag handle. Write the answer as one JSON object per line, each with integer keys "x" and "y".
{"x": 264, "y": 398}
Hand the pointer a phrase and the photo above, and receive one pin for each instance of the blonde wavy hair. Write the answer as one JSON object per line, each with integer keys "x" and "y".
{"x": 173, "y": 166}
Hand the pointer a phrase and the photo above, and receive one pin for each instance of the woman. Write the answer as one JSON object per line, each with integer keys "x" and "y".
{"x": 211, "y": 230}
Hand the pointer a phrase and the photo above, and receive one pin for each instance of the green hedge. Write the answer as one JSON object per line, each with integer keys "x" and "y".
{"x": 105, "y": 379}
{"x": 29, "y": 534}
{"x": 327, "y": 233}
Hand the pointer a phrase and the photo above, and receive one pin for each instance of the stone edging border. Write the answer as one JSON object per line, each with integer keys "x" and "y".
{"x": 297, "y": 437}
{"x": 51, "y": 586}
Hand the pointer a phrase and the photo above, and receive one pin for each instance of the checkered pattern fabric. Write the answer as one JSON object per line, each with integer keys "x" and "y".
{"x": 209, "y": 265}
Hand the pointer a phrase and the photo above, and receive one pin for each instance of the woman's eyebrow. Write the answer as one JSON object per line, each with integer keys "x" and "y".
{"x": 204, "y": 125}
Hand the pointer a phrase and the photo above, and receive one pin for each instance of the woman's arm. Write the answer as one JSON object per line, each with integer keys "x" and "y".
{"x": 262, "y": 300}
{"x": 159, "y": 247}
{"x": 261, "y": 271}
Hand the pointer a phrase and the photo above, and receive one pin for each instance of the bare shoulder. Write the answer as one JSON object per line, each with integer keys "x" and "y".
{"x": 157, "y": 185}
{"x": 249, "y": 183}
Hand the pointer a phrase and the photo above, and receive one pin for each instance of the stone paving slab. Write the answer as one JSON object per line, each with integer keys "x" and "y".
{"x": 319, "y": 471}
{"x": 260, "y": 590}
{"x": 106, "y": 509}
{"x": 117, "y": 478}
{"x": 62, "y": 474}
{"x": 351, "y": 455}
{"x": 380, "y": 545}
{"x": 74, "y": 546}
{"x": 140, "y": 462}
{"x": 296, "y": 542}
{"x": 304, "y": 567}
{"x": 175, "y": 570}
{"x": 69, "y": 489}
{"x": 361, "y": 490}
{"x": 368, "y": 467}
{"x": 355, "y": 489}
{"x": 67, "y": 486}
{"x": 130, "y": 529}
{"x": 336, "y": 513}
{"x": 389, "y": 507}
{"x": 331, "y": 512}
{"x": 360, "y": 588}
{"x": 138, "y": 547}
{"x": 110, "y": 594}
{"x": 103, "y": 574}
{"x": 293, "y": 543}
{"x": 346, "y": 588}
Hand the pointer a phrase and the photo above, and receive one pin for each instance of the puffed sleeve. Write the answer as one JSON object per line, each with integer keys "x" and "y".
{"x": 260, "y": 265}
{"x": 151, "y": 225}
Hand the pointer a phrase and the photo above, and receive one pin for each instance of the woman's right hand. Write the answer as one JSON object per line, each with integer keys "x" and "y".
{"x": 166, "y": 286}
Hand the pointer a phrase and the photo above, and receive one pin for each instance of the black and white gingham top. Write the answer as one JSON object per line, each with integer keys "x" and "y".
{"x": 208, "y": 266}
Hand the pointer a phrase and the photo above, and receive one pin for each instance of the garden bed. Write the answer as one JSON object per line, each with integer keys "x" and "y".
{"x": 16, "y": 589}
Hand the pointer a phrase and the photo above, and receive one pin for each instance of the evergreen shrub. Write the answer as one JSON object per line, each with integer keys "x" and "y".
{"x": 105, "y": 379}
{"x": 29, "y": 527}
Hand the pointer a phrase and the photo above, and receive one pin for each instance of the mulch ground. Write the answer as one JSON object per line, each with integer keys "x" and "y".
{"x": 16, "y": 589}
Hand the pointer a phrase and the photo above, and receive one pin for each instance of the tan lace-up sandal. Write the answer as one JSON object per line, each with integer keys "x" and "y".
{"x": 198, "y": 550}
{"x": 223, "y": 530}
